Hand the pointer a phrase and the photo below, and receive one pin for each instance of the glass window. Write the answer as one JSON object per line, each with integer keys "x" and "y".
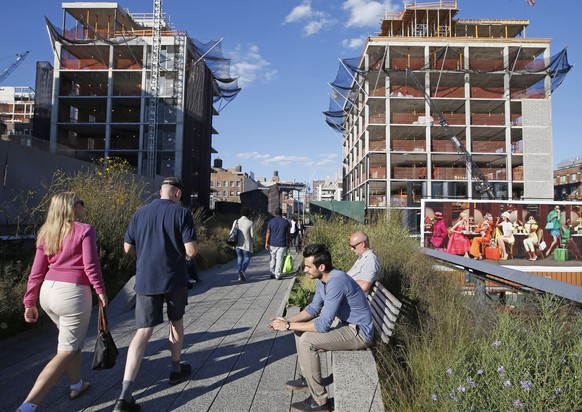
{"x": 218, "y": 183}
{"x": 211, "y": 183}
{"x": 224, "y": 193}
{"x": 231, "y": 193}
{"x": 573, "y": 177}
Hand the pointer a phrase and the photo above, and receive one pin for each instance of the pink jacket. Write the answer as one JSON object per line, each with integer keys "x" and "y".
{"x": 76, "y": 262}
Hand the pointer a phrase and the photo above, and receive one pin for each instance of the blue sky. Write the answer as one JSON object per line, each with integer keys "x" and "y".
{"x": 286, "y": 53}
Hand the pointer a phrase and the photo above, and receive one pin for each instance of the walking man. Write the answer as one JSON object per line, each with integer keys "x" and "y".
{"x": 336, "y": 295}
{"x": 366, "y": 267}
{"x": 276, "y": 242}
{"x": 163, "y": 237}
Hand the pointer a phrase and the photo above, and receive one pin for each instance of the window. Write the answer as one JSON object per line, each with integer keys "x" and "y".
{"x": 231, "y": 183}
{"x": 573, "y": 177}
{"x": 224, "y": 193}
{"x": 231, "y": 193}
{"x": 218, "y": 183}
{"x": 562, "y": 179}
{"x": 211, "y": 183}
{"x": 225, "y": 183}
{"x": 238, "y": 184}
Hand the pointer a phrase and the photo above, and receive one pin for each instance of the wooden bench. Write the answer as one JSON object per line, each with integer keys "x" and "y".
{"x": 355, "y": 384}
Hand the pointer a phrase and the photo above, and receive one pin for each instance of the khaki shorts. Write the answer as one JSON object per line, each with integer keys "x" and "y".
{"x": 69, "y": 307}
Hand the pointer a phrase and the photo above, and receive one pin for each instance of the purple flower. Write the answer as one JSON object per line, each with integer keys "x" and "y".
{"x": 449, "y": 371}
{"x": 452, "y": 395}
{"x": 558, "y": 391}
{"x": 496, "y": 344}
{"x": 461, "y": 389}
{"x": 517, "y": 403}
{"x": 526, "y": 385}
{"x": 434, "y": 397}
{"x": 507, "y": 383}
{"x": 480, "y": 372}
{"x": 501, "y": 369}
{"x": 471, "y": 382}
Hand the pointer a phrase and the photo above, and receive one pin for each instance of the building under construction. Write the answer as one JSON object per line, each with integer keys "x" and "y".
{"x": 440, "y": 107}
{"x": 130, "y": 85}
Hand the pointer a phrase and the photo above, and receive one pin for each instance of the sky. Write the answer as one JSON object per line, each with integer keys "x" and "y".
{"x": 285, "y": 53}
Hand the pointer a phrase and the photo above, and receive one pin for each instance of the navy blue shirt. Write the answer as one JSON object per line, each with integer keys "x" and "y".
{"x": 279, "y": 228}
{"x": 159, "y": 231}
{"x": 341, "y": 296}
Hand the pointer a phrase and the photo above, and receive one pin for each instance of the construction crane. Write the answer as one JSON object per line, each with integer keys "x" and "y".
{"x": 7, "y": 71}
{"x": 483, "y": 186}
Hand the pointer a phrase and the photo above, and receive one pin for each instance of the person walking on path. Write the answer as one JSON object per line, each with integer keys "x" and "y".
{"x": 163, "y": 238}
{"x": 66, "y": 265}
{"x": 366, "y": 268}
{"x": 336, "y": 295}
{"x": 276, "y": 242}
{"x": 245, "y": 242}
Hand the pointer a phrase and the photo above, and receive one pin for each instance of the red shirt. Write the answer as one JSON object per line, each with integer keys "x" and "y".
{"x": 76, "y": 262}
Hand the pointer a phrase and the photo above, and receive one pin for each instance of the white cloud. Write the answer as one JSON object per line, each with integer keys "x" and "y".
{"x": 266, "y": 159}
{"x": 366, "y": 13}
{"x": 249, "y": 66}
{"x": 313, "y": 20}
{"x": 354, "y": 43}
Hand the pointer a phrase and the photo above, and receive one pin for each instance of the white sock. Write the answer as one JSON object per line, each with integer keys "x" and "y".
{"x": 77, "y": 385}
{"x": 27, "y": 407}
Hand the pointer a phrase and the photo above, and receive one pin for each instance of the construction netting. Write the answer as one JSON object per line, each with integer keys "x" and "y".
{"x": 352, "y": 75}
{"x": 210, "y": 53}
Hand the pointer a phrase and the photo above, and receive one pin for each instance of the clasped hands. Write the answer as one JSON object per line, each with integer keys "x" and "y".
{"x": 278, "y": 323}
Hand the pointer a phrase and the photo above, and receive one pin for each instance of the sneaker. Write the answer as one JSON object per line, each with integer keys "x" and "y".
{"x": 309, "y": 405}
{"x": 191, "y": 284}
{"x": 185, "y": 372}
{"x": 75, "y": 393}
{"x": 242, "y": 277}
{"x": 123, "y": 406}
{"x": 299, "y": 384}
{"x": 272, "y": 276}
{"x": 279, "y": 277}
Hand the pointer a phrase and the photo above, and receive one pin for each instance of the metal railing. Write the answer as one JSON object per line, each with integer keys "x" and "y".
{"x": 480, "y": 271}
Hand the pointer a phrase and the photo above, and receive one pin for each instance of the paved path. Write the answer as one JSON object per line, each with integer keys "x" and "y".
{"x": 239, "y": 364}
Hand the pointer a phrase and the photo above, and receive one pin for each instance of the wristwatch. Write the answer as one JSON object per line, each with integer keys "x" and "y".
{"x": 288, "y": 325}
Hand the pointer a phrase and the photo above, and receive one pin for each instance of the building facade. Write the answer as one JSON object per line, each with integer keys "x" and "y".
{"x": 129, "y": 85}
{"x": 227, "y": 184}
{"x": 489, "y": 82}
{"x": 327, "y": 189}
{"x": 17, "y": 109}
{"x": 568, "y": 180}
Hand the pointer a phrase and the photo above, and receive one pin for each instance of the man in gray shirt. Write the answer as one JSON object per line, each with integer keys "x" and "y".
{"x": 365, "y": 269}
{"x": 336, "y": 295}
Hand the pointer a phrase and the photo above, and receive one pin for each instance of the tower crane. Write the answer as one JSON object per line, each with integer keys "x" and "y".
{"x": 483, "y": 186}
{"x": 7, "y": 71}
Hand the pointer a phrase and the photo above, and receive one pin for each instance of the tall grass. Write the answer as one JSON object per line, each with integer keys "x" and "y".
{"x": 447, "y": 348}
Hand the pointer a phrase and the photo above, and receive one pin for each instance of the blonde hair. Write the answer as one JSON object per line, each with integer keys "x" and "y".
{"x": 58, "y": 223}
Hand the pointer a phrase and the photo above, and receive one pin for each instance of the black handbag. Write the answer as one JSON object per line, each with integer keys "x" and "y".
{"x": 105, "y": 350}
{"x": 232, "y": 239}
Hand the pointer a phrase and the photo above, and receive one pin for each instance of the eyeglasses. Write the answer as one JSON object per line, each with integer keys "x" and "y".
{"x": 80, "y": 202}
{"x": 355, "y": 246}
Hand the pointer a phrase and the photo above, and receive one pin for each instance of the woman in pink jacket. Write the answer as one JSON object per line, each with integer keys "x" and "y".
{"x": 65, "y": 267}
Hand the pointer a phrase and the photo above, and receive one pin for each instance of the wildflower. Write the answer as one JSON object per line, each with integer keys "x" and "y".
{"x": 526, "y": 385}
{"x": 449, "y": 371}
{"x": 496, "y": 344}
{"x": 564, "y": 361}
{"x": 434, "y": 397}
{"x": 558, "y": 391}
{"x": 471, "y": 382}
{"x": 517, "y": 403}
{"x": 461, "y": 389}
{"x": 501, "y": 369}
{"x": 452, "y": 395}
{"x": 576, "y": 355}
{"x": 480, "y": 372}
{"x": 507, "y": 383}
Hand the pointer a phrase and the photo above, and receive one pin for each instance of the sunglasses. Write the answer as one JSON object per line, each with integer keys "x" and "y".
{"x": 80, "y": 202}
{"x": 355, "y": 246}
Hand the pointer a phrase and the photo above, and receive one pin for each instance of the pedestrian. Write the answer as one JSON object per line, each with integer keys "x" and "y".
{"x": 293, "y": 232}
{"x": 163, "y": 238}
{"x": 66, "y": 265}
{"x": 276, "y": 242}
{"x": 245, "y": 242}
{"x": 336, "y": 295}
{"x": 366, "y": 267}
{"x": 300, "y": 234}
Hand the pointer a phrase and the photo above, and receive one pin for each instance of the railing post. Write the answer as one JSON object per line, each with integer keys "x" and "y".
{"x": 480, "y": 290}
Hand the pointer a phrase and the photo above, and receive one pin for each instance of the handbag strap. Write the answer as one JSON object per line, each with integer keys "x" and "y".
{"x": 102, "y": 319}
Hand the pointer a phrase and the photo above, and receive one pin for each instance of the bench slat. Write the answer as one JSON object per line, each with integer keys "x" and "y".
{"x": 385, "y": 309}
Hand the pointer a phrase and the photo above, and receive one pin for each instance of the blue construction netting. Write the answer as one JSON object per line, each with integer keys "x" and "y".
{"x": 349, "y": 77}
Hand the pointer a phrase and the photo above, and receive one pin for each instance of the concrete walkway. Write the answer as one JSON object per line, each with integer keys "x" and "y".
{"x": 239, "y": 364}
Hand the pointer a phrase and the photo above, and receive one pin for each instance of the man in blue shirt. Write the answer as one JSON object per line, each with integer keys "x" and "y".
{"x": 163, "y": 237}
{"x": 276, "y": 242}
{"x": 336, "y": 295}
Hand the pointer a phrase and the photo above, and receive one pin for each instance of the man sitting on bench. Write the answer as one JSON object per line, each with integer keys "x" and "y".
{"x": 336, "y": 295}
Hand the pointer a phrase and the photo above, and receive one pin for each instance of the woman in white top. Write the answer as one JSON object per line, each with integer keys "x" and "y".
{"x": 244, "y": 246}
{"x": 507, "y": 235}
